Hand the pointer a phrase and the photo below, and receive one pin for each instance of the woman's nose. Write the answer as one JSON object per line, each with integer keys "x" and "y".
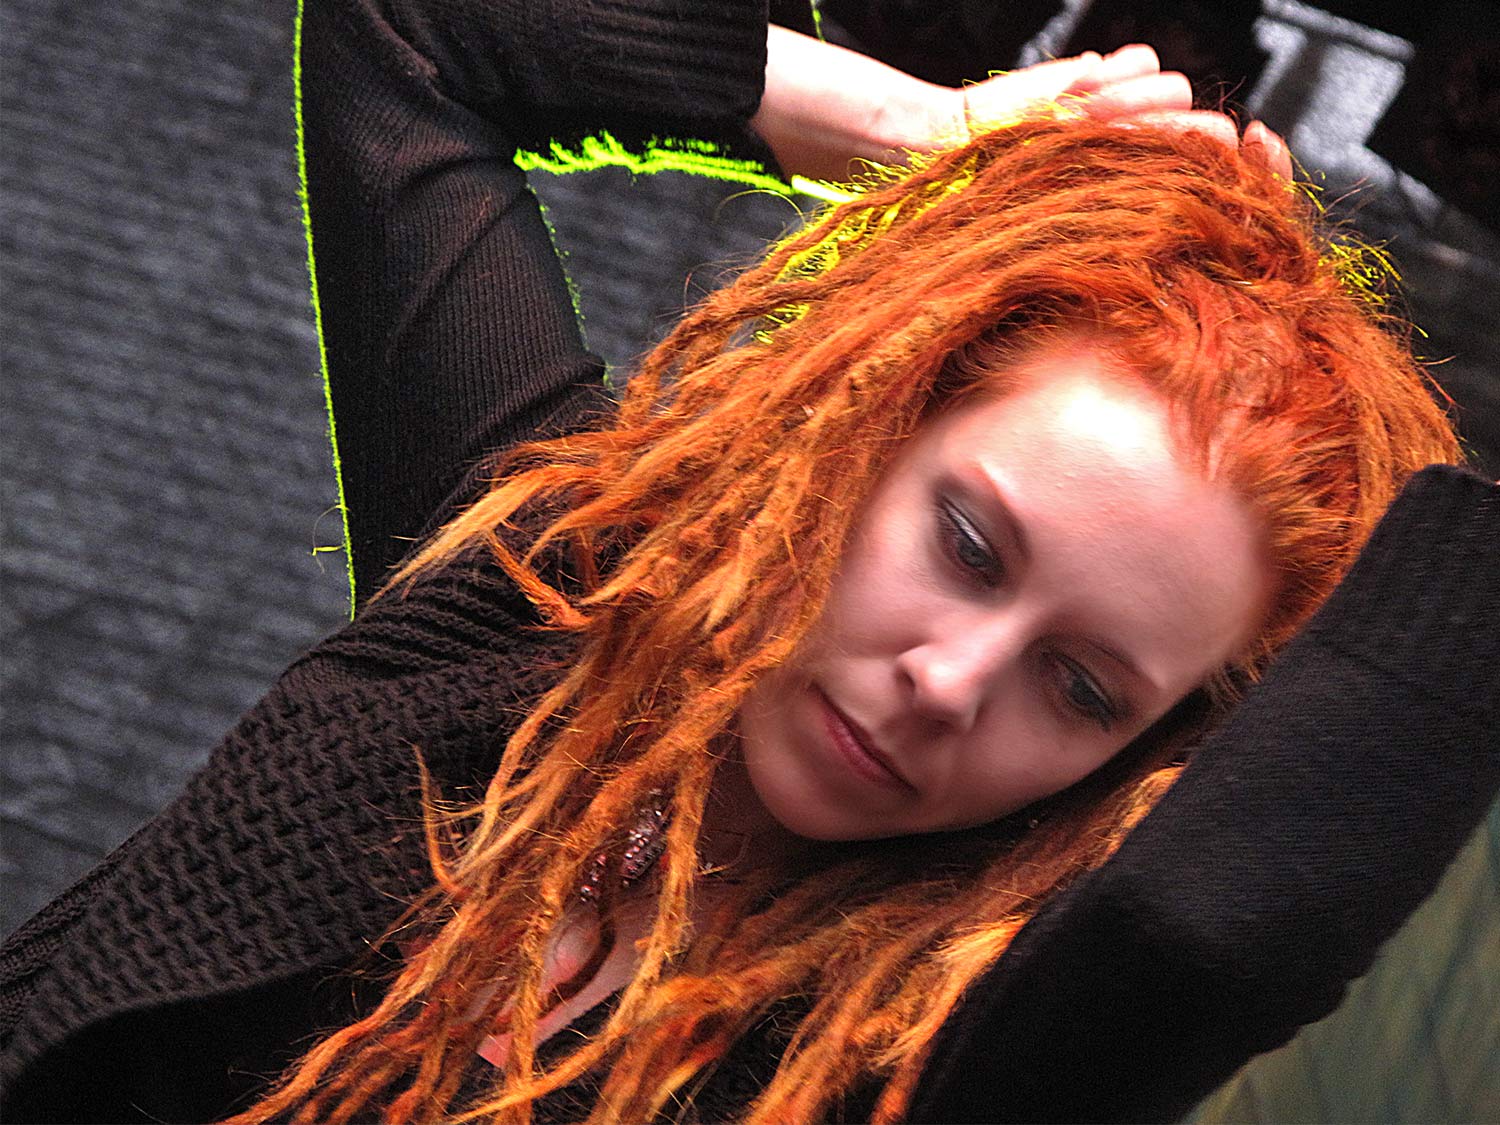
{"x": 953, "y": 677}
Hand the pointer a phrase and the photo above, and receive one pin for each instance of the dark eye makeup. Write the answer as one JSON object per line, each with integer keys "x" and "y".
{"x": 966, "y": 548}
{"x": 1084, "y": 696}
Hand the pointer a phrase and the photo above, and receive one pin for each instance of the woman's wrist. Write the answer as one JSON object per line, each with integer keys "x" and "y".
{"x": 825, "y": 106}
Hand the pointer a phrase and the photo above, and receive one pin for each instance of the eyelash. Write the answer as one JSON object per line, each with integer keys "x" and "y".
{"x": 1098, "y": 708}
{"x": 958, "y": 534}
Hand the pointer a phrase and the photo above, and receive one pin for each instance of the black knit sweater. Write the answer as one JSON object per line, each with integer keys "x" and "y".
{"x": 203, "y": 954}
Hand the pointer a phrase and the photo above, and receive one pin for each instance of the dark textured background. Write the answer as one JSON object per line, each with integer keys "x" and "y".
{"x": 167, "y": 480}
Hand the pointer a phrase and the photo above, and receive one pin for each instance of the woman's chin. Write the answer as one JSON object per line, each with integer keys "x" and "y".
{"x": 795, "y": 805}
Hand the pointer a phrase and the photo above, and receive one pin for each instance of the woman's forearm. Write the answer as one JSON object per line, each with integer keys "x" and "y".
{"x": 825, "y": 106}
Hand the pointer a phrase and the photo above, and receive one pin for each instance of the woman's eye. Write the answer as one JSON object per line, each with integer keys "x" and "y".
{"x": 966, "y": 546}
{"x": 1083, "y": 695}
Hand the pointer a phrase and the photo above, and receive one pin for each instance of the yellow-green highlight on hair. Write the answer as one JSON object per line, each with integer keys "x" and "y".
{"x": 858, "y": 228}
{"x": 817, "y": 18}
{"x": 689, "y": 155}
{"x": 659, "y": 154}
{"x": 312, "y": 276}
{"x": 863, "y": 226}
{"x": 1363, "y": 268}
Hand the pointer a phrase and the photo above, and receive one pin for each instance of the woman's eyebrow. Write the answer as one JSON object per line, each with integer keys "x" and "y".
{"x": 993, "y": 494}
{"x": 1125, "y": 662}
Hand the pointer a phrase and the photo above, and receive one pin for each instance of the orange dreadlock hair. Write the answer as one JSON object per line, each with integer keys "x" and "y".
{"x": 718, "y": 500}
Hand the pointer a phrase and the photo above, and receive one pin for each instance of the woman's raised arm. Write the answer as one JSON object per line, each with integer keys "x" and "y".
{"x": 446, "y": 323}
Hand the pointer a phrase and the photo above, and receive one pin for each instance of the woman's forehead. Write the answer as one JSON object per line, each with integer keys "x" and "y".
{"x": 1072, "y": 409}
{"x": 1121, "y": 524}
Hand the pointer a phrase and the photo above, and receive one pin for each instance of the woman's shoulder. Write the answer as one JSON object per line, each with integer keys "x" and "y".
{"x": 464, "y": 612}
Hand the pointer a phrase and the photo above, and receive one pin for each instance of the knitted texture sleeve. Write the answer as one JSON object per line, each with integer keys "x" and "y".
{"x": 449, "y": 334}
{"x": 448, "y": 329}
{"x": 1295, "y": 843}
{"x": 296, "y": 844}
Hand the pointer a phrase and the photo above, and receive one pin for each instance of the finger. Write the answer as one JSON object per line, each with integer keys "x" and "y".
{"x": 1213, "y": 125}
{"x": 1001, "y": 98}
{"x": 1150, "y": 93}
{"x": 1071, "y": 65}
{"x": 1046, "y": 79}
{"x": 1262, "y": 144}
{"x": 1128, "y": 62}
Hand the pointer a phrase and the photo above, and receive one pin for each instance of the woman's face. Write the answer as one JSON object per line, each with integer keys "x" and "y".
{"x": 1035, "y": 581}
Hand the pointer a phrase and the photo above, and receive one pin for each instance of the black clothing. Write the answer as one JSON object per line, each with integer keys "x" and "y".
{"x": 199, "y": 958}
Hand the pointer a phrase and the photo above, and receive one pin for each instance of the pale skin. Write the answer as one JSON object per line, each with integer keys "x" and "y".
{"x": 974, "y": 667}
{"x": 826, "y": 107}
{"x": 1035, "y": 580}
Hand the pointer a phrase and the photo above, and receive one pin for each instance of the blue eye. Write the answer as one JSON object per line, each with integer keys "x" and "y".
{"x": 1084, "y": 696}
{"x": 966, "y": 547}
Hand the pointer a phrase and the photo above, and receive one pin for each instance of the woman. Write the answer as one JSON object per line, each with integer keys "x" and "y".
{"x": 877, "y": 695}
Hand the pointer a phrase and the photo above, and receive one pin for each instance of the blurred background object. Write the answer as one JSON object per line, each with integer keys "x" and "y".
{"x": 1444, "y": 126}
{"x": 171, "y": 537}
{"x": 1211, "y": 41}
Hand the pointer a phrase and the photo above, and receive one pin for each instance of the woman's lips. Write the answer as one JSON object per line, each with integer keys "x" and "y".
{"x": 855, "y": 747}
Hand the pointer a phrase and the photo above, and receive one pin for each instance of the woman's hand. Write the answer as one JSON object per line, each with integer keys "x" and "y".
{"x": 825, "y": 106}
{"x": 1126, "y": 83}
{"x": 1126, "y": 86}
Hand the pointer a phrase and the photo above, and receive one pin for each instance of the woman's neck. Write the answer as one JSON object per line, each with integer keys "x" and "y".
{"x": 739, "y": 833}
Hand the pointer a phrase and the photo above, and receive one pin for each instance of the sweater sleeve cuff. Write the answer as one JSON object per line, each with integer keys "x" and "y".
{"x": 698, "y": 62}
{"x": 702, "y": 61}
{"x": 565, "y": 68}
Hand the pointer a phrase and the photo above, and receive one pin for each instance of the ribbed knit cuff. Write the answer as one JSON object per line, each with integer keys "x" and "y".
{"x": 689, "y": 60}
{"x": 701, "y": 63}
{"x": 1429, "y": 575}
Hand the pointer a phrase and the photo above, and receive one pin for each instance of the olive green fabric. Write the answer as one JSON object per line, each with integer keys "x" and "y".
{"x": 1417, "y": 1039}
